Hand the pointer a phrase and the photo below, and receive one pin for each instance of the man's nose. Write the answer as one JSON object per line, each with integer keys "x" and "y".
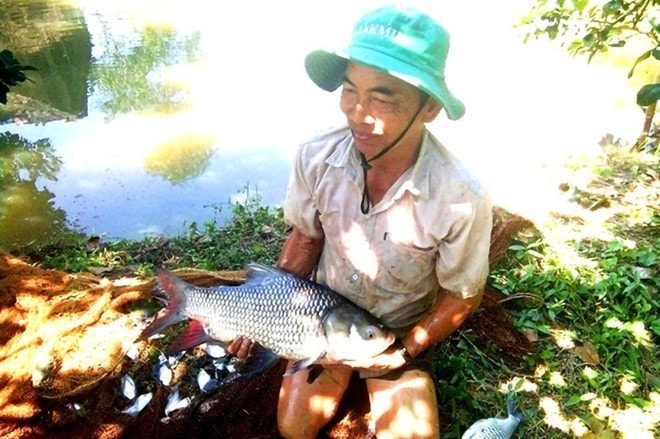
{"x": 361, "y": 114}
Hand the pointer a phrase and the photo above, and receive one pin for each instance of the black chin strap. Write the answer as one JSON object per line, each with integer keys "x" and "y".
{"x": 365, "y": 204}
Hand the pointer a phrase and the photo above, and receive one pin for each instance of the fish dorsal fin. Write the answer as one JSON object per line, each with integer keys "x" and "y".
{"x": 261, "y": 274}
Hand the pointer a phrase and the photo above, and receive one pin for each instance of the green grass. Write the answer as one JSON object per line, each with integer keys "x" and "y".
{"x": 255, "y": 233}
{"x": 589, "y": 282}
{"x": 595, "y": 321}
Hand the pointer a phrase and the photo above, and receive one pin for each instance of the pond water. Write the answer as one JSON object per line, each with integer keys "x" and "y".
{"x": 126, "y": 128}
{"x": 146, "y": 116}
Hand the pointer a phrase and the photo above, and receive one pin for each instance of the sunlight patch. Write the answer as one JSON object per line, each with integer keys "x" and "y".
{"x": 541, "y": 370}
{"x": 636, "y": 329}
{"x": 557, "y": 380}
{"x": 627, "y": 386}
{"x": 590, "y": 372}
{"x": 520, "y": 384}
{"x": 553, "y": 415}
{"x": 632, "y": 422}
{"x": 563, "y": 338}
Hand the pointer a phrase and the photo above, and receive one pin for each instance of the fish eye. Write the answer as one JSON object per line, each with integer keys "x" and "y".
{"x": 370, "y": 333}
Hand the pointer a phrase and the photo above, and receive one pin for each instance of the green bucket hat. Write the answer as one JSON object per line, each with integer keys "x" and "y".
{"x": 401, "y": 41}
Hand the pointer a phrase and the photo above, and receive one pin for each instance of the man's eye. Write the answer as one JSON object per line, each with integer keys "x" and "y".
{"x": 381, "y": 101}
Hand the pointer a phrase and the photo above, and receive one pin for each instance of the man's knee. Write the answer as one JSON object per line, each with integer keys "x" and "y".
{"x": 406, "y": 407}
{"x": 303, "y": 408}
{"x": 299, "y": 424}
{"x": 290, "y": 428}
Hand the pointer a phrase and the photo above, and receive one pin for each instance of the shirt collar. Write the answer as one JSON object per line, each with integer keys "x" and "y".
{"x": 417, "y": 180}
{"x": 345, "y": 156}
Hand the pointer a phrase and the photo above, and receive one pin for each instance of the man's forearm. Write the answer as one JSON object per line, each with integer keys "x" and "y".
{"x": 300, "y": 254}
{"x": 447, "y": 314}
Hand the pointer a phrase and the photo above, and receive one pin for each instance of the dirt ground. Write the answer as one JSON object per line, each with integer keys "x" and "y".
{"x": 63, "y": 344}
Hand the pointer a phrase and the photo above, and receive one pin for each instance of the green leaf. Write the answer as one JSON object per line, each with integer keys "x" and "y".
{"x": 573, "y": 400}
{"x": 580, "y": 4}
{"x": 639, "y": 59}
{"x": 589, "y": 40}
{"x": 588, "y": 396}
{"x": 612, "y": 6}
{"x": 648, "y": 95}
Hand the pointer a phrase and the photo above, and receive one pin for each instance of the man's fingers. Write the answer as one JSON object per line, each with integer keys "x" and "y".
{"x": 240, "y": 347}
{"x": 244, "y": 348}
{"x": 233, "y": 346}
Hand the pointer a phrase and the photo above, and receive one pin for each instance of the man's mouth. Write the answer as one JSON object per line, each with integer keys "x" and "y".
{"x": 363, "y": 136}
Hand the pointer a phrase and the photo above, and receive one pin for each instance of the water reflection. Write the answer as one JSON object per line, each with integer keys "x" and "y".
{"x": 181, "y": 158}
{"x": 128, "y": 80}
{"x": 53, "y": 37}
{"x": 123, "y": 153}
{"x": 28, "y": 216}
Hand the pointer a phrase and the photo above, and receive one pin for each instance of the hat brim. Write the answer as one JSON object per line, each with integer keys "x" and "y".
{"x": 327, "y": 70}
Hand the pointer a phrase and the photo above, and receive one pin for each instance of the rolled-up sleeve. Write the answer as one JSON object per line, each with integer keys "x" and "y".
{"x": 462, "y": 264}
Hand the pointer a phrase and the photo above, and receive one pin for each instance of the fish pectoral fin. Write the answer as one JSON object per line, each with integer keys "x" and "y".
{"x": 299, "y": 365}
{"x": 192, "y": 336}
{"x": 259, "y": 361}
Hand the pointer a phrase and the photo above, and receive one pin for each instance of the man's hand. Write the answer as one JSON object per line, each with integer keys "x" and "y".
{"x": 391, "y": 359}
{"x": 240, "y": 347}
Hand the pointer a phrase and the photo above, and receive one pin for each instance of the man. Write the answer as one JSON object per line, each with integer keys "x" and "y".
{"x": 383, "y": 214}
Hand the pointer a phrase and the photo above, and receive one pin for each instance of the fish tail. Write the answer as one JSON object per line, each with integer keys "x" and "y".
{"x": 174, "y": 289}
{"x": 513, "y": 409}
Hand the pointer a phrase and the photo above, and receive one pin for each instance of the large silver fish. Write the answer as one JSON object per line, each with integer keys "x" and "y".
{"x": 293, "y": 317}
{"x": 496, "y": 428}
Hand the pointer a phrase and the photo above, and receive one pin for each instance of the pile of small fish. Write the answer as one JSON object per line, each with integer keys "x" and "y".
{"x": 215, "y": 370}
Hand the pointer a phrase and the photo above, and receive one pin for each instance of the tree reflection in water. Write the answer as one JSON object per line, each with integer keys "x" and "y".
{"x": 181, "y": 158}
{"x": 128, "y": 79}
{"x": 28, "y": 216}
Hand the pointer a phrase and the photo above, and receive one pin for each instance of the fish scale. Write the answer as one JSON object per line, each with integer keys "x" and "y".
{"x": 261, "y": 315}
{"x": 295, "y": 318}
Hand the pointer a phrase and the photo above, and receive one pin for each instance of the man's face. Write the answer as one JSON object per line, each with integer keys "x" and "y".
{"x": 378, "y": 107}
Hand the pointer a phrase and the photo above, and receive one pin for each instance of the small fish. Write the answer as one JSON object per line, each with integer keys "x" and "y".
{"x": 206, "y": 383}
{"x": 175, "y": 402}
{"x": 132, "y": 352}
{"x": 496, "y": 428}
{"x": 128, "y": 387}
{"x": 163, "y": 373}
{"x": 290, "y": 317}
{"x": 215, "y": 350}
{"x": 138, "y": 404}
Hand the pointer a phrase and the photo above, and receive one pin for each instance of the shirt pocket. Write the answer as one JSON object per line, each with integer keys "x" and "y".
{"x": 405, "y": 267}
